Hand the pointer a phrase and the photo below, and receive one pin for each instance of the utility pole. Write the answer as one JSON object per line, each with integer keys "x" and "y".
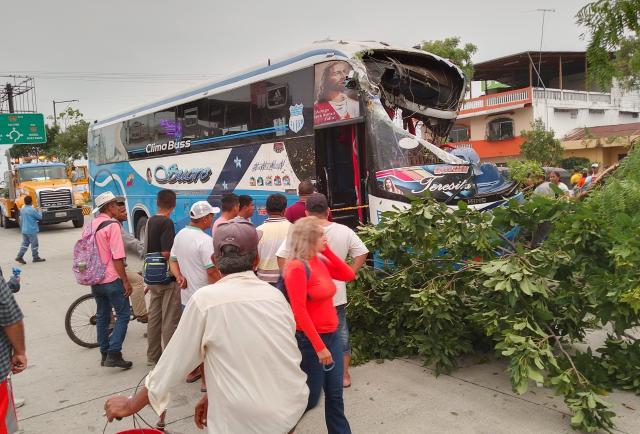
{"x": 55, "y": 116}
{"x": 544, "y": 13}
{"x": 9, "y": 89}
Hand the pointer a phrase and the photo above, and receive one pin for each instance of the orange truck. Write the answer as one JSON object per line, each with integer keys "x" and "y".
{"x": 49, "y": 188}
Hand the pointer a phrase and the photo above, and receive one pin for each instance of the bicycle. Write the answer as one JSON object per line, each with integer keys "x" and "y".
{"x": 80, "y": 321}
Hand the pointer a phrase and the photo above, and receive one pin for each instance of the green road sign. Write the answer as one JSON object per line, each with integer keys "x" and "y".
{"x": 22, "y": 129}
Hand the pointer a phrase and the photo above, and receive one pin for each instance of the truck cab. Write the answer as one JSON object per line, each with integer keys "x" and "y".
{"x": 50, "y": 190}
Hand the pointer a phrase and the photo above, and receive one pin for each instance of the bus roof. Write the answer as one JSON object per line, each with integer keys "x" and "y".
{"x": 317, "y": 52}
{"x": 45, "y": 164}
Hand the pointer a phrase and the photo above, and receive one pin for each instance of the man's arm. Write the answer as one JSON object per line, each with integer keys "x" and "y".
{"x": 281, "y": 262}
{"x": 358, "y": 262}
{"x": 175, "y": 271}
{"x": 183, "y": 353}
{"x": 15, "y": 334}
{"x": 122, "y": 274}
{"x": 213, "y": 275}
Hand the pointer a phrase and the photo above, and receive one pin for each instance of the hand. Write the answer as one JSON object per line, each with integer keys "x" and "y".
{"x": 200, "y": 416}
{"x": 128, "y": 289}
{"x": 181, "y": 281}
{"x": 118, "y": 407}
{"x": 325, "y": 357}
{"x": 18, "y": 363}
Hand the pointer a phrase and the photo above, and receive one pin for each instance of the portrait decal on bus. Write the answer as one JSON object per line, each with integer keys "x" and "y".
{"x": 333, "y": 101}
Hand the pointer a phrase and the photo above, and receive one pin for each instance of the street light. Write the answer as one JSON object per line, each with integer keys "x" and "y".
{"x": 55, "y": 117}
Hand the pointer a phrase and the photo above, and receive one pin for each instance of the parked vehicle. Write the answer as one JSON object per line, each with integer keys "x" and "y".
{"x": 50, "y": 189}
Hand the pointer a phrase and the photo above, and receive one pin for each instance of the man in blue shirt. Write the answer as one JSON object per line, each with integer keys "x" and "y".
{"x": 29, "y": 217}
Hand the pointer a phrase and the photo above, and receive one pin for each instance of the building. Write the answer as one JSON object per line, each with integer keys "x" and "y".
{"x": 606, "y": 144}
{"x": 514, "y": 95}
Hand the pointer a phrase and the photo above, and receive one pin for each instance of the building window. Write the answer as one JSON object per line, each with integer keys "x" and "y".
{"x": 596, "y": 111}
{"x": 500, "y": 129}
{"x": 459, "y": 133}
{"x": 626, "y": 114}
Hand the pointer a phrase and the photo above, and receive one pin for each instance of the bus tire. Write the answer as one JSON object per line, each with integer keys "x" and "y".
{"x": 141, "y": 228}
{"x": 79, "y": 222}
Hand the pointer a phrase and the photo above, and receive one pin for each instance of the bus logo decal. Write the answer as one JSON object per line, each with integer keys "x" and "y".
{"x": 296, "y": 120}
{"x": 173, "y": 175}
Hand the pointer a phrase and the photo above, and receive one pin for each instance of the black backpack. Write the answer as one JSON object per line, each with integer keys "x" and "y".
{"x": 283, "y": 288}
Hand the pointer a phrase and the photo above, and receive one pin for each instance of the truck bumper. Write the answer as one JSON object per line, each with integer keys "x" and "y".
{"x": 62, "y": 215}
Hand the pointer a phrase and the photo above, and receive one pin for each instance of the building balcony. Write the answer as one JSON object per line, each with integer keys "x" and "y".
{"x": 518, "y": 98}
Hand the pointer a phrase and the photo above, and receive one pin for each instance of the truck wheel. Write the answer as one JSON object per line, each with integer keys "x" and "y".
{"x": 2, "y": 219}
{"x": 141, "y": 228}
{"x": 79, "y": 222}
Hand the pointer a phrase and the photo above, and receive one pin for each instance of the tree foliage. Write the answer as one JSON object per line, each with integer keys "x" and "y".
{"x": 451, "y": 283}
{"x": 541, "y": 145}
{"x": 575, "y": 163}
{"x": 451, "y": 49}
{"x": 66, "y": 141}
{"x": 612, "y": 27}
{"x": 523, "y": 171}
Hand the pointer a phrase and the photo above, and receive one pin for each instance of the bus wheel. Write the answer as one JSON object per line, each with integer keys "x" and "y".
{"x": 141, "y": 228}
{"x": 79, "y": 222}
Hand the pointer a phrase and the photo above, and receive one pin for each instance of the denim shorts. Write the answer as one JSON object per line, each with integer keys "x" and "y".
{"x": 343, "y": 328}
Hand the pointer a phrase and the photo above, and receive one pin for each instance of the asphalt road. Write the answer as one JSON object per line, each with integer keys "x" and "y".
{"x": 65, "y": 387}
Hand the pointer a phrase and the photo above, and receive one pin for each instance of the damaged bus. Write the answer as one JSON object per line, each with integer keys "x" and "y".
{"x": 365, "y": 121}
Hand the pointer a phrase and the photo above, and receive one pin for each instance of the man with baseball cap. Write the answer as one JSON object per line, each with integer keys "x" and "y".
{"x": 190, "y": 260}
{"x": 243, "y": 330}
{"x": 114, "y": 289}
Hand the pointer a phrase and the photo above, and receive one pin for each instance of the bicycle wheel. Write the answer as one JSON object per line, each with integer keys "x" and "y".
{"x": 80, "y": 322}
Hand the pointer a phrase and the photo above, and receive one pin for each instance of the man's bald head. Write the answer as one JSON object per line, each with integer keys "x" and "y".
{"x": 306, "y": 188}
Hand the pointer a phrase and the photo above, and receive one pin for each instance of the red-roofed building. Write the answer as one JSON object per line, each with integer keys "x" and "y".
{"x": 513, "y": 93}
{"x": 606, "y": 144}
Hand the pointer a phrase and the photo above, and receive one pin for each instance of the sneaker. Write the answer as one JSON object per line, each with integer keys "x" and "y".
{"x": 103, "y": 358}
{"x": 39, "y": 259}
{"x": 18, "y": 402}
{"x": 115, "y": 360}
{"x": 21, "y": 261}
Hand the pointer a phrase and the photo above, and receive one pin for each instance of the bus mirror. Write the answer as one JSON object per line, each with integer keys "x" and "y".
{"x": 408, "y": 143}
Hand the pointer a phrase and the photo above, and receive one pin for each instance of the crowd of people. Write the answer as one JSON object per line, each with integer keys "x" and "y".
{"x": 579, "y": 182}
{"x": 257, "y": 314}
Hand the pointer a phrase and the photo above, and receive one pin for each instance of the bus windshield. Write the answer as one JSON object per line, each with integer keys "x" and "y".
{"x": 41, "y": 173}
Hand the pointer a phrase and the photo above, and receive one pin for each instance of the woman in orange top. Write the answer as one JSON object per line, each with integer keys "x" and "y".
{"x": 308, "y": 276}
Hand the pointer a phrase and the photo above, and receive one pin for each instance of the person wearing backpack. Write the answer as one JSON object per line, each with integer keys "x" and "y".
{"x": 113, "y": 289}
{"x": 164, "y": 304}
{"x": 311, "y": 297}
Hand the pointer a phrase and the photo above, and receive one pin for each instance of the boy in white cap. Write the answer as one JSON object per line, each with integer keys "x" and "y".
{"x": 191, "y": 263}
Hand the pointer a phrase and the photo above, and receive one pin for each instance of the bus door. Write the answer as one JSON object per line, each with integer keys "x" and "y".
{"x": 340, "y": 172}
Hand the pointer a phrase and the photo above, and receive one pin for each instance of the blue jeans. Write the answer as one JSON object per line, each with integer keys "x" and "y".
{"x": 331, "y": 381}
{"x": 110, "y": 295}
{"x": 26, "y": 240}
{"x": 343, "y": 328}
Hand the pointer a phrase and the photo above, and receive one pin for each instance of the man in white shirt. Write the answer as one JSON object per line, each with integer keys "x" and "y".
{"x": 345, "y": 243}
{"x": 244, "y": 329}
{"x": 273, "y": 232}
{"x": 190, "y": 261}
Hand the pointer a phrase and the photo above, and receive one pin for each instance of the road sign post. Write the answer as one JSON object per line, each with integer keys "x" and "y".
{"x": 22, "y": 129}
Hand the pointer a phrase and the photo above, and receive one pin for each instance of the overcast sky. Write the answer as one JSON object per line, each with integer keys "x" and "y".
{"x": 165, "y": 46}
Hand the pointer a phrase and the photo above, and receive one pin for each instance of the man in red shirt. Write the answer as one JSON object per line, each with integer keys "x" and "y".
{"x": 297, "y": 210}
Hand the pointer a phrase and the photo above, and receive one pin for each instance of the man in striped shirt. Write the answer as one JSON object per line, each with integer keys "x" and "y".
{"x": 272, "y": 232}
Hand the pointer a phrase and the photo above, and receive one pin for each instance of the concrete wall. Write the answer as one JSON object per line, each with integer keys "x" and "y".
{"x": 605, "y": 156}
